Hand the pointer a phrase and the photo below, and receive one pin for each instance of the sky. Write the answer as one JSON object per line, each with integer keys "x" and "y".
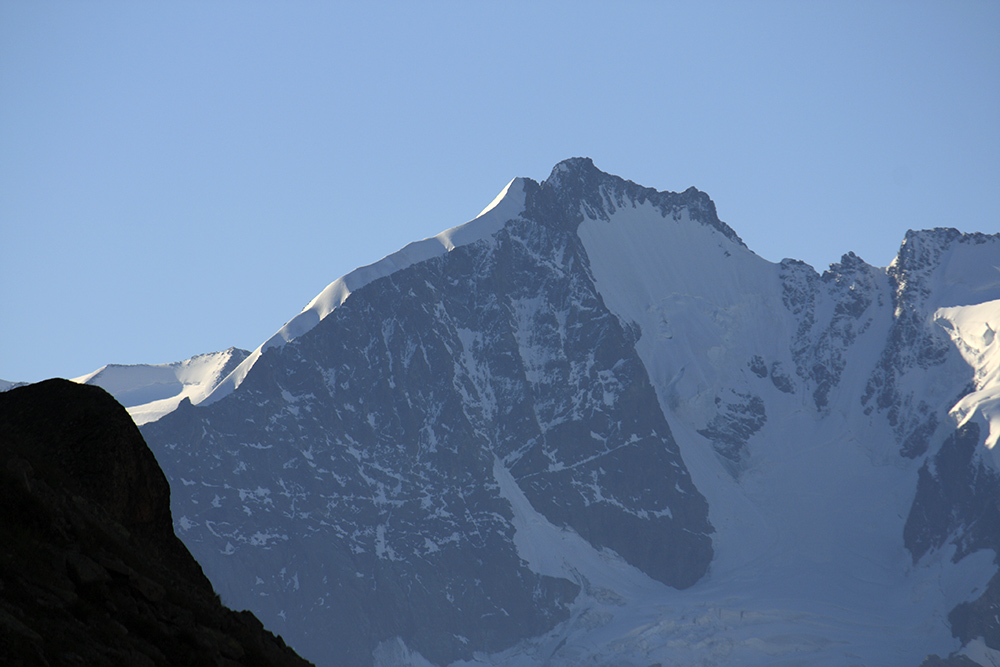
{"x": 178, "y": 178}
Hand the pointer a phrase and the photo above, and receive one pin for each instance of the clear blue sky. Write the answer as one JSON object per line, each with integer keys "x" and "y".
{"x": 176, "y": 178}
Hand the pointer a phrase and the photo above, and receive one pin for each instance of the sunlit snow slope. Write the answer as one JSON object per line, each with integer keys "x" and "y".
{"x": 150, "y": 391}
{"x": 974, "y": 328}
{"x": 505, "y": 206}
{"x": 592, "y": 427}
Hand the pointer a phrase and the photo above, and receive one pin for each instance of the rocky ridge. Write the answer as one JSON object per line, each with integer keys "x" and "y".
{"x": 91, "y": 572}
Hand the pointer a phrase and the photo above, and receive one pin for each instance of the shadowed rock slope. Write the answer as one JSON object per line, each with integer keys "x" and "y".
{"x": 91, "y": 572}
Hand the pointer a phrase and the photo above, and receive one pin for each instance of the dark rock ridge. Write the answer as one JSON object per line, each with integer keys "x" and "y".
{"x": 833, "y": 310}
{"x": 90, "y": 569}
{"x": 956, "y": 504}
{"x": 576, "y": 186}
{"x": 913, "y": 344}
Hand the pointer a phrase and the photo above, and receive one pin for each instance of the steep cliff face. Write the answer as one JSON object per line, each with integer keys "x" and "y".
{"x": 591, "y": 425}
{"x": 90, "y": 569}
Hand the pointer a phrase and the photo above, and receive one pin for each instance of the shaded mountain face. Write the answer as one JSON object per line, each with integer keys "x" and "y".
{"x": 91, "y": 571}
{"x": 540, "y": 435}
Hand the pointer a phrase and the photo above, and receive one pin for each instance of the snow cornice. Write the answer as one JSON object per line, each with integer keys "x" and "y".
{"x": 505, "y": 206}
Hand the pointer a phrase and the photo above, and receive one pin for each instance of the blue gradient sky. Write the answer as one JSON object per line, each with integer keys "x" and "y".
{"x": 176, "y": 178}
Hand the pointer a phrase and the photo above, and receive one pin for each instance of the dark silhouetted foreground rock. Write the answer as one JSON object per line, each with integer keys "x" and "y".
{"x": 91, "y": 572}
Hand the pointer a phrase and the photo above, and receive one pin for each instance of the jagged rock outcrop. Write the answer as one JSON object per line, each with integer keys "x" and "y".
{"x": 91, "y": 572}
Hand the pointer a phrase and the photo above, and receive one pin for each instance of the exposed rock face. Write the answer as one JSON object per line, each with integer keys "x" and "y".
{"x": 90, "y": 569}
{"x": 957, "y": 505}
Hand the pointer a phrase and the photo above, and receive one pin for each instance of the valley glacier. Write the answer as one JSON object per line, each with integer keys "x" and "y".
{"x": 592, "y": 427}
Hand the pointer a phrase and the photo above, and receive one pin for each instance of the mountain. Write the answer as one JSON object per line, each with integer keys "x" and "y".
{"x": 91, "y": 571}
{"x": 150, "y": 391}
{"x": 7, "y": 384}
{"x": 591, "y": 426}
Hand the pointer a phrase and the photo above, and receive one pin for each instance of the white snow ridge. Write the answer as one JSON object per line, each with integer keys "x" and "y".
{"x": 506, "y": 205}
{"x": 150, "y": 391}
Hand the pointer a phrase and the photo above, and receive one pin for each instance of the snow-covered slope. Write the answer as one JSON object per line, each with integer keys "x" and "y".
{"x": 7, "y": 384}
{"x": 592, "y": 427}
{"x": 809, "y": 555}
{"x": 973, "y": 329}
{"x": 506, "y": 205}
{"x": 150, "y": 391}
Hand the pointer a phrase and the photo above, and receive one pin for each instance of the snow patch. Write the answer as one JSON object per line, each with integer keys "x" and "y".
{"x": 981, "y": 654}
{"x": 973, "y": 331}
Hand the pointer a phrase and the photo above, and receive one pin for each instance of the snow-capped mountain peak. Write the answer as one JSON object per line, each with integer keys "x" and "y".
{"x": 592, "y": 426}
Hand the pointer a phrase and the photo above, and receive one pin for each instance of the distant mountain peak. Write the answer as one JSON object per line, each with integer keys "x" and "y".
{"x": 573, "y": 167}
